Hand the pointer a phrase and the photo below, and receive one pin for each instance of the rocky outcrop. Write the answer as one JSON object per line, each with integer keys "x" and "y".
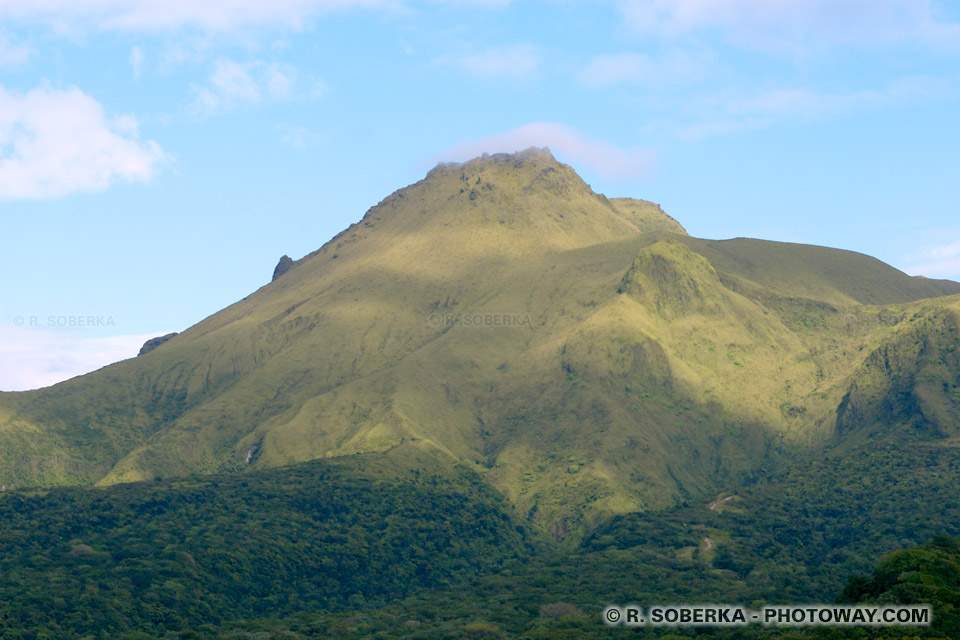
{"x": 153, "y": 343}
{"x": 282, "y": 267}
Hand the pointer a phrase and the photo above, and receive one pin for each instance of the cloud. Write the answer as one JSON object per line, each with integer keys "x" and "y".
{"x": 56, "y": 142}
{"x": 639, "y": 68}
{"x": 724, "y": 113}
{"x": 234, "y": 83}
{"x": 794, "y": 25}
{"x": 136, "y": 61}
{"x": 476, "y": 3}
{"x": 605, "y": 159}
{"x": 299, "y": 137}
{"x": 515, "y": 61}
{"x": 13, "y": 54}
{"x": 607, "y": 70}
{"x": 160, "y": 15}
{"x": 30, "y": 358}
{"x": 941, "y": 261}
{"x": 279, "y": 82}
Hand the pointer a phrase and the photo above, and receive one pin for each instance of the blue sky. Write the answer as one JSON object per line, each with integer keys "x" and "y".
{"x": 157, "y": 157}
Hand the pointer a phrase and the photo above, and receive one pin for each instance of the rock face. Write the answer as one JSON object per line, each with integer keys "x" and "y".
{"x": 282, "y": 267}
{"x": 153, "y": 343}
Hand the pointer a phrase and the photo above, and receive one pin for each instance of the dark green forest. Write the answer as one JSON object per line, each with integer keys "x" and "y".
{"x": 329, "y": 549}
{"x": 164, "y": 557}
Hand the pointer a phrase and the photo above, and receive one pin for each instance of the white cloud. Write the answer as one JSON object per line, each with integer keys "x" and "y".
{"x": 234, "y": 83}
{"x": 514, "y": 61}
{"x": 722, "y": 114}
{"x": 180, "y": 50}
{"x": 56, "y": 142}
{"x": 13, "y": 54}
{"x": 605, "y": 159}
{"x": 794, "y": 25}
{"x": 158, "y": 15}
{"x": 319, "y": 90}
{"x": 32, "y": 358}
{"x": 607, "y": 70}
{"x": 941, "y": 261}
{"x": 136, "y": 61}
{"x": 639, "y": 68}
{"x": 299, "y": 137}
{"x": 279, "y": 83}
{"x": 477, "y": 3}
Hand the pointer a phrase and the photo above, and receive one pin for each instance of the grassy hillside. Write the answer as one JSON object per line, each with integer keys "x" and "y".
{"x": 819, "y": 273}
{"x": 582, "y": 354}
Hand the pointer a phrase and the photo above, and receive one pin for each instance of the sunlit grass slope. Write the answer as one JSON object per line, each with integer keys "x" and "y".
{"x": 584, "y": 354}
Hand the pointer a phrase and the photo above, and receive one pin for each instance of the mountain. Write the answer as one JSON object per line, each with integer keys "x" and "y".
{"x": 583, "y": 354}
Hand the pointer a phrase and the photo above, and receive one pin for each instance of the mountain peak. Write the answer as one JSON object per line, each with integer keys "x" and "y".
{"x": 532, "y": 169}
{"x": 501, "y": 314}
{"x": 518, "y": 159}
{"x": 517, "y": 201}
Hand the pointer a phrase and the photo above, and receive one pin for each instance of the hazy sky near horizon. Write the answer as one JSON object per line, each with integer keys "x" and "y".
{"x": 157, "y": 157}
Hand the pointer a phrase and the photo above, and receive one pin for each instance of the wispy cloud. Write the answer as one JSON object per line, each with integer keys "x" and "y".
{"x": 569, "y": 144}
{"x": 478, "y": 3}
{"x": 794, "y": 25}
{"x": 515, "y": 61}
{"x": 30, "y": 358}
{"x": 136, "y": 61}
{"x": 299, "y": 137}
{"x": 159, "y": 15}
{"x": 726, "y": 113}
{"x": 675, "y": 67}
{"x": 235, "y": 83}
{"x": 940, "y": 261}
{"x": 56, "y": 142}
{"x": 12, "y": 53}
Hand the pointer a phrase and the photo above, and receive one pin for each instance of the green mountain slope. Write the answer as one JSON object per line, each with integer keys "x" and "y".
{"x": 820, "y": 273}
{"x": 583, "y": 354}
